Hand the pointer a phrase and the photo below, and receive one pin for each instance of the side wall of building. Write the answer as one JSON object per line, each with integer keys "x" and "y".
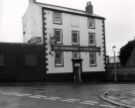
{"x": 32, "y": 22}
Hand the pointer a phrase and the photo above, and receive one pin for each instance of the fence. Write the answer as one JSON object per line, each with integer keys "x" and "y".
{"x": 123, "y": 74}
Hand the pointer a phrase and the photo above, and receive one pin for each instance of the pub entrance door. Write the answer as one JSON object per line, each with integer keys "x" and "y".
{"x": 77, "y": 70}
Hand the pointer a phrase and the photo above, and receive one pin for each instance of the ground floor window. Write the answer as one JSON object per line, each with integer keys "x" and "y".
{"x": 1, "y": 60}
{"x": 59, "y": 59}
{"x": 31, "y": 60}
{"x": 92, "y": 59}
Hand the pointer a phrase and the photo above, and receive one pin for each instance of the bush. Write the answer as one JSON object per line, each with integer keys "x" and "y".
{"x": 126, "y": 51}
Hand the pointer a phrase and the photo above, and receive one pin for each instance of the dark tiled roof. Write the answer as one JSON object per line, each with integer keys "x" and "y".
{"x": 68, "y": 10}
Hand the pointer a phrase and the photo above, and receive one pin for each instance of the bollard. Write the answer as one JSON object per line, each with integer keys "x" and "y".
{"x": 105, "y": 94}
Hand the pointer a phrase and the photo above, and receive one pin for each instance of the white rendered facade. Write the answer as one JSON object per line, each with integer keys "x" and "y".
{"x": 38, "y": 21}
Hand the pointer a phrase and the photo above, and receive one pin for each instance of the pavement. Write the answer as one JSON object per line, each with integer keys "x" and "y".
{"x": 122, "y": 98}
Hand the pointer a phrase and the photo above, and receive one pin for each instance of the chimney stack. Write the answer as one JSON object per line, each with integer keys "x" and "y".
{"x": 89, "y": 8}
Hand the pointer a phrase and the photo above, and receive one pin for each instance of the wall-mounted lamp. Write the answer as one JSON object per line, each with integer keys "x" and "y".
{"x": 52, "y": 40}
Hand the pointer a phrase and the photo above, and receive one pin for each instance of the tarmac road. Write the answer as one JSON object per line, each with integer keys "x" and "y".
{"x": 57, "y": 95}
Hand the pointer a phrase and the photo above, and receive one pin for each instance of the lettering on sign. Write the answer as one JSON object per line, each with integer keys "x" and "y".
{"x": 75, "y": 48}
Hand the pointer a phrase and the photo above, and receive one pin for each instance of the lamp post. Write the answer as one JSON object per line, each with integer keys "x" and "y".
{"x": 115, "y": 71}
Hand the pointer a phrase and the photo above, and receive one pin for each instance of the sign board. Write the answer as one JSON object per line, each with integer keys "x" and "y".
{"x": 35, "y": 40}
{"x": 77, "y": 64}
{"x": 52, "y": 40}
{"x": 76, "y": 48}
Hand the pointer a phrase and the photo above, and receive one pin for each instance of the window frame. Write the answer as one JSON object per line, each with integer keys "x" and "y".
{"x": 95, "y": 59}
{"x": 54, "y": 18}
{"x": 89, "y": 21}
{"x": 62, "y": 59}
{"x": 32, "y": 63}
{"x": 61, "y": 36}
{"x": 78, "y": 37}
{"x": 94, "y": 35}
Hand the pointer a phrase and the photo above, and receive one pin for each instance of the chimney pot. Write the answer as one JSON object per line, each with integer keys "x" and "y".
{"x": 89, "y": 8}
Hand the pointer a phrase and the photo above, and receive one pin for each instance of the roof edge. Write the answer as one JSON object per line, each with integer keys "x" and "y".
{"x": 77, "y": 13}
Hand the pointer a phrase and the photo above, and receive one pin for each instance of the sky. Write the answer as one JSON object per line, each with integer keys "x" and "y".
{"x": 119, "y": 23}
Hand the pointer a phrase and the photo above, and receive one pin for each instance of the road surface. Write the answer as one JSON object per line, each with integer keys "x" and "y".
{"x": 54, "y": 95}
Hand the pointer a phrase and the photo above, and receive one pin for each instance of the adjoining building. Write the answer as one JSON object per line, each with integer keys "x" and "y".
{"x": 74, "y": 40}
{"x": 111, "y": 61}
{"x": 21, "y": 62}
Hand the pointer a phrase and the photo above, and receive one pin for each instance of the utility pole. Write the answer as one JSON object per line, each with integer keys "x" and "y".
{"x": 115, "y": 71}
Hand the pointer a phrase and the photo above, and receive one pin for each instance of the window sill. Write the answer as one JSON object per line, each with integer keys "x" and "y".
{"x": 90, "y": 45}
{"x": 58, "y": 23}
{"x": 91, "y": 27}
{"x": 59, "y": 65}
{"x": 94, "y": 65}
{"x": 75, "y": 44}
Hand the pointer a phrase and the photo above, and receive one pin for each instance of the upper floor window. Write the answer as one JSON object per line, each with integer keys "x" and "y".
{"x": 57, "y": 17}
{"x": 92, "y": 39}
{"x": 92, "y": 59}
{"x": 58, "y": 36}
{"x": 91, "y": 23}
{"x": 59, "y": 59}
{"x": 75, "y": 37}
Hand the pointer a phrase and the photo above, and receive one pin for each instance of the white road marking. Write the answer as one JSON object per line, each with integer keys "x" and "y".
{"x": 91, "y": 102}
{"x": 56, "y": 97}
{"x": 21, "y": 94}
{"x": 7, "y": 93}
{"x": 41, "y": 96}
{"x": 31, "y": 96}
{"x": 16, "y": 94}
{"x": 107, "y": 106}
{"x": 25, "y": 94}
{"x": 49, "y": 98}
{"x": 67, "y": 100}
{"x": 87, "y": 103}
{"x": 73, "y": 99}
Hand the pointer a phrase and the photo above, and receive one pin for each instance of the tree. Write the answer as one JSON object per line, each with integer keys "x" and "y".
{"x": 126, "y": 51}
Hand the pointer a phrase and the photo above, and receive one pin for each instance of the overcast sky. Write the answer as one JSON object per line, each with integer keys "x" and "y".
{"x": 119, "y": 14}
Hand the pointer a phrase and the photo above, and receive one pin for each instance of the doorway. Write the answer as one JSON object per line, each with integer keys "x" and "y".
{"x": 77, "y": 70}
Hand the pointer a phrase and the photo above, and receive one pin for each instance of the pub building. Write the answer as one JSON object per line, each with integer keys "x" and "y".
{"x": 74, "y": 40}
